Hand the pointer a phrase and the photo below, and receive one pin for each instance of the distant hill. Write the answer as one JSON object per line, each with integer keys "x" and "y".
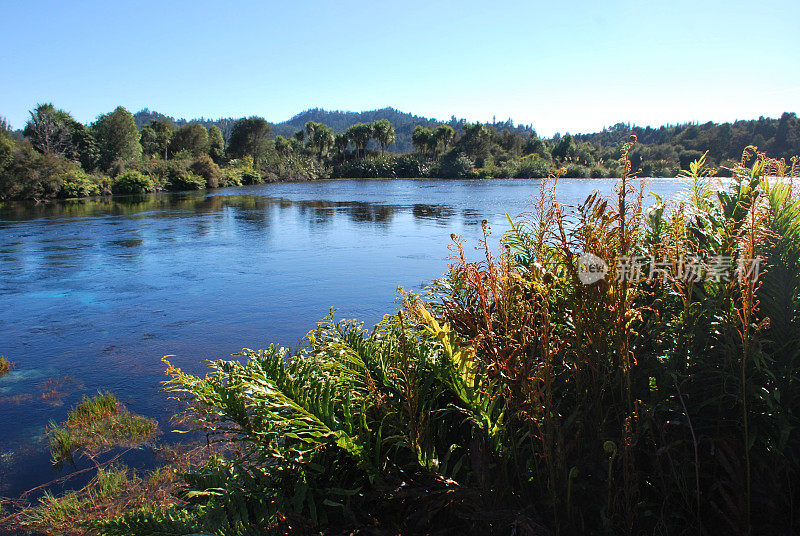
{"x": 404, "y": 123}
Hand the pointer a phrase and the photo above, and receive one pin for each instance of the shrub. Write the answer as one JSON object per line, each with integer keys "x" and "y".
{"x": 576, "y": 171}
{"x": 250, "y": 176}
{"x": 132, "y": 182}
{"x": 32, "y": 175}
{"x": 185, "y": 180}
{"x": 383, "y": 166}
{"x": 409, "y": 166}
{"x": 231, "y": 176}
{"x": 205, "y": 167}
{"x": 598, "y": 172}
{"x": 622, "y": 406}
{"x": 533, "y": 167}
{"x": 457, "y": 167}
{"x": 78, "y": 183}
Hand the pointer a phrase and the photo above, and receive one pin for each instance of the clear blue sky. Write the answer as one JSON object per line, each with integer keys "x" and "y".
{"x": 561, "y": 65}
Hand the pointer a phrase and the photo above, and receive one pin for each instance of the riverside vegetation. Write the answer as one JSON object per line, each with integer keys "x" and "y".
{"x": 510, "y": 398}
{"x": 55, "y": 156}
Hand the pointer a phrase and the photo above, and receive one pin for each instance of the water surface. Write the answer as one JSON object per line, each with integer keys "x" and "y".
{"x": 93, "y": 293}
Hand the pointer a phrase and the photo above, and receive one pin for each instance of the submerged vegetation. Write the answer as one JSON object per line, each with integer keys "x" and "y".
{"x": 96, "y": 424}
{"x": 55, "y": 156}
{"x": 5, "y": 365}
{"x": 512, "y": 397}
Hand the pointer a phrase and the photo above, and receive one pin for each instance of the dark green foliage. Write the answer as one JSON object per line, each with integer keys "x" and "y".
{"x": 49, "y": 130}
{"x": 576, "y": 171}
{"x": 533, "y": 166}
{"x": 31, "y": 174}
{"x": 456, "y": 165}
{"x": 84, "y": 146}
{"x": 192, "y": 138}
{"x": 249, "y": 137}
{"x": 117, "y": 137}
{"x": 373, "y": 167}
{"x": 205, "y": 167}
{"x": 216, "y": 144}
{"x": 319, "y": 144}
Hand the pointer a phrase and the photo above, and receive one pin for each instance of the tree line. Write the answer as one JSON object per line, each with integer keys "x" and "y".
{"x": 56, "y": 156}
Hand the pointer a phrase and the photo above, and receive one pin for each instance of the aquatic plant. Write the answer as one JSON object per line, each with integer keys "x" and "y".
{"x": 5, "y": 365}
{"x": 96, "y": 424}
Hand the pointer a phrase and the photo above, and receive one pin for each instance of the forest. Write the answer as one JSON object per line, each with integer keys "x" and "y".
{"x": 56, "y": 156}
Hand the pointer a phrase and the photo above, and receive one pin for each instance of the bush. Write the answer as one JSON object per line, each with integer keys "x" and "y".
{"x": 78, "y": 183}
{"x": 185, "y": 180}
{"x": 32, "y": 175}
{"x": 457, "y": 167}
{"x": 598, "y": 172}
{"x": 533, "y": 167}
{"x": 231, "y": 176}
{"x": 383, "y": 166}
{"x": 576, "y": 171}
{"x": 250, "y": 176}
{"x": 519, "y": 383}
{"x": 409, "y": 166}
{"x": 205, "y": 167}
{"x": 132, "y": 182}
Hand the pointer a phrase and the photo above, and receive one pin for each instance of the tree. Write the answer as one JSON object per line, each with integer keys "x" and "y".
{"x": 192, "y": 138}
{"x": 84, "y": 146}
{"x": 319, "y": 137}
{"x": 341, "y": 142}
{"x": 216, "y": 144}
{"x": 156, "y": 137}
{"x": 360, "y": 134}
{"x": 383, "y": 131}
{"x": 48, "y": 130}
{"x": 283, "y": 146}
{"x": 249, "y": 137}
{"x": 564, "y": 148}
{"x": 444, "y": 136}
{"x": 6, "y": 151}
{"x": 476, "y": 142}
{"x": 421, "y": 139}
{"x": 117, "y": 137}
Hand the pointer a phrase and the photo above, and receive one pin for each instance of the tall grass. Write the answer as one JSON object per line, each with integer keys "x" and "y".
{"x": 96, "y": 424}
{"x": 514, "y": 399}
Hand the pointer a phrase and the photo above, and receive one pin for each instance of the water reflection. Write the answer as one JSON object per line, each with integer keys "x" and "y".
{"x": 255, "y": 211}
{"x": 100, "y": 289}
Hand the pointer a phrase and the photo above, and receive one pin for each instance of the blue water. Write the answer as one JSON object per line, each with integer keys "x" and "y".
{"x": 93, "y": 293}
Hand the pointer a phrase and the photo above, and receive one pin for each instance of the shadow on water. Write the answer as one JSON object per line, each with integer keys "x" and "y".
{"x": 253, "y": 210}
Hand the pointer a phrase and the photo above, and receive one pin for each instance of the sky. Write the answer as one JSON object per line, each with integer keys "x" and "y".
{"x": 562, "y": 65}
